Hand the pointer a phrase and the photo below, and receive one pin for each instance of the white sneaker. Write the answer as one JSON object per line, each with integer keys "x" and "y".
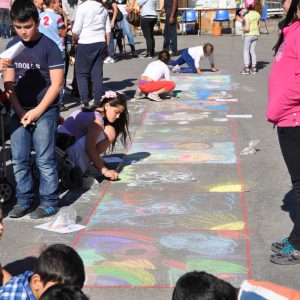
{"x": 176, "y": 69}
{"x": 138, "y": 94}
{"x": 109, "y": 60}
{"x": 154, "y": 97}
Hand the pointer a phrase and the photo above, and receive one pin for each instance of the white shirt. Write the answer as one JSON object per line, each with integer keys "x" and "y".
{"x": 157, "y": 70}
{"x": 197, "y": 54}
{"x": 91, "y": 22}
{"x": 71, "y": 11}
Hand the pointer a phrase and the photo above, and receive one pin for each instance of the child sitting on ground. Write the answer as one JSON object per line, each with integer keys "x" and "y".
{"x": 201, "y": 285}
{"x": 192, "y": 57}
{"x": 156, "y": 79}
{"x": 96, "y": 131}
{"x": 4, "y": 276}
{"x": 57, "y": 264}
{"x": 64, "y": 292}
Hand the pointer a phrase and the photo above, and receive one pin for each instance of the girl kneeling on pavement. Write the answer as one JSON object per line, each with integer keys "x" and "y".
{"x": 156, "y": 79}
{"x": 192, "y": 57}
{"x": 97, "y": 131}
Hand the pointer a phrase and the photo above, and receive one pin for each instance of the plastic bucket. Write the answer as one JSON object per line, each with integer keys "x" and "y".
{"x": 216, "y": 30}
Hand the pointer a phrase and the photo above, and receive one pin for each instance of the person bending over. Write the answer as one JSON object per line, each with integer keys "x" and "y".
{"x": 156, "y": 79}
{"x": 97, "y": 131}
{"x": 192, "y": 57}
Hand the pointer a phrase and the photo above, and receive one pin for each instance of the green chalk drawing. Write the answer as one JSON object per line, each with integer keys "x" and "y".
{"x": 90, "y": 257}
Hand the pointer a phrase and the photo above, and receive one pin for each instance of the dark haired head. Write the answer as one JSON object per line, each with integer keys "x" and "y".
{"x": 47, "y": 2}
{"x": 164, "y": 56}
{"x": 60, "y": 263}
{"x": 290, "y": 18}
{"x": 63, "y": 292}
{"x": 208, "y": 48}
{"x": 201, "y": 285}
{"x": 121, "y": 124}
{"x": 73, "y": 3}
{"x": 24, "y": 10}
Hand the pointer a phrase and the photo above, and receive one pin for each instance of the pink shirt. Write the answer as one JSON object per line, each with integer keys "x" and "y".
{"x": 4, "y": 4}
{"x": 284, "y": 81}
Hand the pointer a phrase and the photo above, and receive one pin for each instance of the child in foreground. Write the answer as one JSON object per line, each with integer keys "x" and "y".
{"x": 156, "y": 79}
{"x": 201, "y": 285}
{"x": 4, "y": 275}
{"x": 192, "y": 57}
{"x": 57, "y": 264}
{"x": 64, "y": 292}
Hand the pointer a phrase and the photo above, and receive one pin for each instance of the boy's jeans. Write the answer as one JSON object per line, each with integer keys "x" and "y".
{"x": 42, "y": 137}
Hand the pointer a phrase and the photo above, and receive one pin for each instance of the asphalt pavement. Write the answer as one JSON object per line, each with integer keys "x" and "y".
{"x": 184, "y": 188}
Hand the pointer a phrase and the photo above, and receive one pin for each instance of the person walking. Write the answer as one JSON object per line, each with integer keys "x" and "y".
{"x": 149, "y": 19}
{"x": 170, "y": 10}
{"x": 283, "y": 110}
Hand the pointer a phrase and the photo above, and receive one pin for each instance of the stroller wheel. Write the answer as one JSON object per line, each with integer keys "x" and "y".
{"x": 66, "y": 178}
{"x": 6, "y": 191}
{"x": 76, "y": 176}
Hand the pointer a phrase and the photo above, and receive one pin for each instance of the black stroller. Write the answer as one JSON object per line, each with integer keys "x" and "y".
{"x": 6, "y": 188}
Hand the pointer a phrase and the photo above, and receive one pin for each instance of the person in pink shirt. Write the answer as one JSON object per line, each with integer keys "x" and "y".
{"x": 5, "y": 18}
{"x": 283, "y": 110}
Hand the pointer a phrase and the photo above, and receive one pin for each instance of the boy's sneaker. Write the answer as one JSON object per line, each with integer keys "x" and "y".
{"x": 176, "y": 69}
{"x": 19, "y": 211}
{"x": 287, "y": 256}
{"x": 278, "y": 246}
{"x": 246, "y": 71}
{"x": 138, "y": 94}
{"x": 109, "y": 60}
{"x": 154, "y": 97}
{"x": 253, "y": 70}
{"x": 43, "y": 212}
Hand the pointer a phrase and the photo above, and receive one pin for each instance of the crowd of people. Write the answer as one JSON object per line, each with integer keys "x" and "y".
{"x": 34, "y": 83}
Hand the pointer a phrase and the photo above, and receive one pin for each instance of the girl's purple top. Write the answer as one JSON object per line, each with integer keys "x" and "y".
{"x": 78, "y": 122}
{"x": 4, "y": 4}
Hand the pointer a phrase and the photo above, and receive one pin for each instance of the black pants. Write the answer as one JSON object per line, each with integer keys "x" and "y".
{"x": 89, "y": 63}
{"x": 170, "y": 35}
{"x": 289, "y": 139}
{"x": 147, "y": 25}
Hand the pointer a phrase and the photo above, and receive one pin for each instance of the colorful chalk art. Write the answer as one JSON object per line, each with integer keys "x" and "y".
{"x": 178, "y": 205}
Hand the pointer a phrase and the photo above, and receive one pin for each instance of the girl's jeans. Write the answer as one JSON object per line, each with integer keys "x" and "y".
{"x": 249, "y": 48}
{"x": 127, "y": 31}
{"x": 185, "y": 58}
{"x": 289, "y": 140}
{"x": 42, "y": 137}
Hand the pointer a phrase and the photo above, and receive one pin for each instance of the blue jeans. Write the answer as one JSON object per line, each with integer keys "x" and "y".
{"x": 127, "y": 30}
{"x": 42, "y": 137}
{"x": 185, "y": 58}
{"x": 111, "y": 50}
